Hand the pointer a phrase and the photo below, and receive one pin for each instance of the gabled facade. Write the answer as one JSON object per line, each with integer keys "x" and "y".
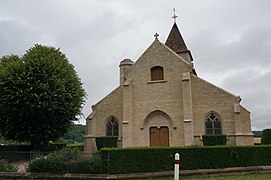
{"x": 162, "y": 102}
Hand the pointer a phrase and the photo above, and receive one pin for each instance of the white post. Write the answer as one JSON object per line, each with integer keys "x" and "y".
{"x": 176, "y": 167}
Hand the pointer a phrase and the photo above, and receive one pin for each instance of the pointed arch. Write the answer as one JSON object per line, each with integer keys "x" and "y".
{"x": 112, "y": 126}
{"x": 213, "y": 123}
{"x": 158, "y": 128}
{"x": 158, "y": 113}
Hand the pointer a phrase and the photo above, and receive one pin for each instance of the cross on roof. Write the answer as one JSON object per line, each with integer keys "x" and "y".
{"x": 174, "y": 16}
{"x": 156, "y": 35}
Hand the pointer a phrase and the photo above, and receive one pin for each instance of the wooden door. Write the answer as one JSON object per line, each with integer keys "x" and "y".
{"x": 154, "y": 136}
{"x": 164, "y": 139}
{"x": 159, "y": 137}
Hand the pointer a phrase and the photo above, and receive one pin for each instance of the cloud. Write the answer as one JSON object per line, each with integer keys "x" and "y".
{"x": 16, "y": 37}
{"x": 230, "y": 40}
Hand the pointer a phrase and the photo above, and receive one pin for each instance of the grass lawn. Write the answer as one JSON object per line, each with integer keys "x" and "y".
{"x": 239, "y": 177}
{"x": 259, "y": 176}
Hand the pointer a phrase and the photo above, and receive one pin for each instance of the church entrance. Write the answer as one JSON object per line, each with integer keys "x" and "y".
{"x": 159, "y": 136}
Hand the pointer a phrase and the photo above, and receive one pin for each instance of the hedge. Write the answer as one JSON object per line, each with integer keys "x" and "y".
{"x": 214, "y": 140}
{"x": 137, "y": 160}
{"x": 106, "y": 141}
{"x": 266, "y": 136}
{"x": 15, "y": 147}
{"x": 26, "y": 147}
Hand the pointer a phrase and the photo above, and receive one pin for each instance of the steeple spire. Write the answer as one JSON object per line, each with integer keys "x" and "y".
{"x": 175, "y": 40}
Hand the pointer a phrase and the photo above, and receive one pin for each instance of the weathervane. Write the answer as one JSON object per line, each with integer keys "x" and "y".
{"x": 174, "y": 16}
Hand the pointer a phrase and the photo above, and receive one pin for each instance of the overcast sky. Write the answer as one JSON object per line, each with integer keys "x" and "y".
{"x": 230, "y": 40}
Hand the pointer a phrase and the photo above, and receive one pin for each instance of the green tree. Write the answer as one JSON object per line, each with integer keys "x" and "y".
{"x": 75, "y": 134}
{"x": 40, "y": 96}
{"x": 266, "y": 136}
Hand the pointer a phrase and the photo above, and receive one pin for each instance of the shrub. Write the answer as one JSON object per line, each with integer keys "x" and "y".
{"x": 106, "y": 141}
{"x": 67, "y": 161}
{"x": 266, "y": 136}
{"x": 6, "y": 167}
{"x": 213, "y": 140}
{"x": 56, "y": 162}
{"x": 135, "y": 160}
{"x": 86, "y": 164}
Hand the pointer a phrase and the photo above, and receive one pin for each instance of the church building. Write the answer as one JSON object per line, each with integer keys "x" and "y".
{"x": 161, "y": 101}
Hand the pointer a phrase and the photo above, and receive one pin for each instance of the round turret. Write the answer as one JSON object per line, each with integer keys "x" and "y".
{"x": 126, "y": 61}
{"x": 125, "y": 65}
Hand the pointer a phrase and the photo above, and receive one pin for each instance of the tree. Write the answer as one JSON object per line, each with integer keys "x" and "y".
{"x": 266, "y": 136}
{"x": 75, "y": 134}
{"x": 40, "y": 95}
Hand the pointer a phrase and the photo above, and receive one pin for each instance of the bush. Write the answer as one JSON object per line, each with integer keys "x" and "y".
{"x": 214, "y": 140}
{"x": 86, "y": 164}
{"x": 56, "y": 162}
{"x": 67, "y": 161}
{"x": 6, "y": 167}
{"x": 140, "y": 160}
{"x": 106, "y": 141}
{"x": 266, "y": 136}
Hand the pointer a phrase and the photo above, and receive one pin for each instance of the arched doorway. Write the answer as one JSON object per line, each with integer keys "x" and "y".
{"x": 158, "y": 129}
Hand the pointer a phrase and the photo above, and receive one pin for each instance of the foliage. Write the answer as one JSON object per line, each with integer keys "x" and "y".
{"x": 266, "y": 136}
{"x": 214, "y": 140}
{"x": 257, "y": 133}
{"x": 135, "y": 160}
{"x": 40, "y": 95}
{"x": 55, "y": 162}
{"x": 6, "y": 167}
{"x": 106, "y": 141}
{"x": 79, "y": 146}
{"x": 75, "y": 134}
{"x": 15, "y": 147}
{"x": 66, "y": 161}
{"x": 86, "y": 164}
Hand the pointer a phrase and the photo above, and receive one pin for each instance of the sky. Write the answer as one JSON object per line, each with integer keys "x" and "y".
{"x": 230, "y": 41}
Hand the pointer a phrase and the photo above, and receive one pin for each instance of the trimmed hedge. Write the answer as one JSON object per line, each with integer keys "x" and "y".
{"x": 266, "y": 136}
{"x": 106, "y": 141}
{"x": 136, "y": 160}
{"x": 214, "y": 140}
{"x": 15, "y": 147}
{"x": 26, "y": 147}
{"x": 79, "y": 146}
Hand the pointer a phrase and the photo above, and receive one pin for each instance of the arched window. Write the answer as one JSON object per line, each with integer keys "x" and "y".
{"x": 112, "y": 127}
{"x": 213, "y": 124}
{"x": 157, "y": 73}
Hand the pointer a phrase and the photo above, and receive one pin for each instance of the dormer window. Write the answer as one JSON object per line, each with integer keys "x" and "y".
{"x": 157, "y": 73}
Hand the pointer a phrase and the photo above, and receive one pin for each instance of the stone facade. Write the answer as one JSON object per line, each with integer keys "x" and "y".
{"x": 168, "y": 110}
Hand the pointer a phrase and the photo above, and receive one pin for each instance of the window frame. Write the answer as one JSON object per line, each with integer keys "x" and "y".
{"x": 157, "y": 73}
{"x": 112, "y": 127}
{"x": 213, "y": 125}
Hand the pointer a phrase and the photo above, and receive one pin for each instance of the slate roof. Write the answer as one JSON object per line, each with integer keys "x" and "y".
{"x": 175, "y": 40}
